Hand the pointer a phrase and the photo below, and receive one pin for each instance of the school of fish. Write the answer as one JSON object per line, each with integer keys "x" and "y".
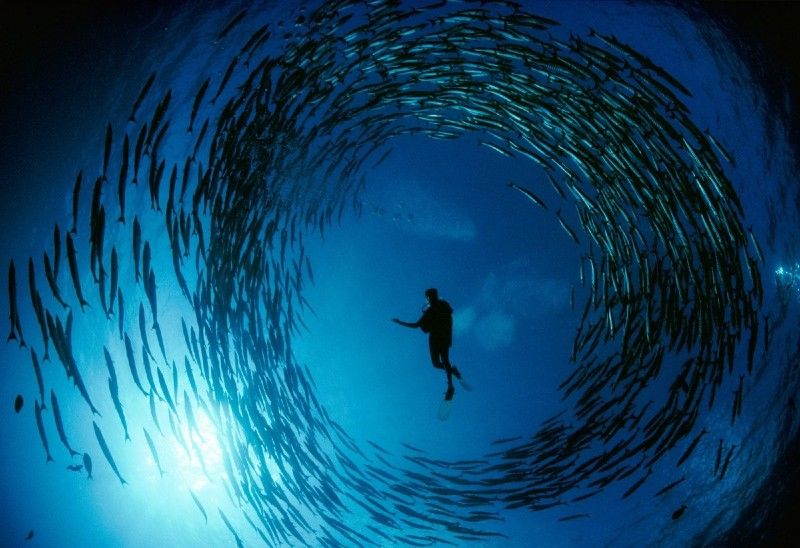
{"x": 280, "y": 145}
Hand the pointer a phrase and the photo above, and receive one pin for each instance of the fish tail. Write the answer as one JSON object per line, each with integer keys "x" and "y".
{"x": 121, "y": 219}
{"x": 12, "y": 336}
{"x": 127, "y": 437}
{"x": 49, "y": 458}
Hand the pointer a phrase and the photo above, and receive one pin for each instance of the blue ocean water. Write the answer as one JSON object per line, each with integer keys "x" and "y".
{"x": 434, "y": 213}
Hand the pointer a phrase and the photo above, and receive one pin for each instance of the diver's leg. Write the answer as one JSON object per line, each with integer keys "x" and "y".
{"x": 452, "y": 369}
{"x": 435, "y": 358}
{"x": 439, "y": 357}
{"x": 445, "y": 354}
{"x": 450, "y": 388}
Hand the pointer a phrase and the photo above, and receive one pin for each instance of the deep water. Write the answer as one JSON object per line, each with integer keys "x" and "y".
{"x": 286, "y": 408}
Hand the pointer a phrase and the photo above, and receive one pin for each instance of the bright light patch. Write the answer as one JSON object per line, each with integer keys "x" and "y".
{"x": 204, "y": 459}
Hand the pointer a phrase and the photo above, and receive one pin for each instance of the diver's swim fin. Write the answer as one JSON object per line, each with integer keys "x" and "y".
{"x": 444, "y": 410}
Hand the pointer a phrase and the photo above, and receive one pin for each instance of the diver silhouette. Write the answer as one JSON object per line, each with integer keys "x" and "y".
{"x": 437, "y": 322}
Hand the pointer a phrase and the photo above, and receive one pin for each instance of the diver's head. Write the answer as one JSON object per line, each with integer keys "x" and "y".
{"x": 431, "y": 294}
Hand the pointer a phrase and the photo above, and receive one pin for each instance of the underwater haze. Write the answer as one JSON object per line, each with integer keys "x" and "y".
{"x": 212, "y": 212}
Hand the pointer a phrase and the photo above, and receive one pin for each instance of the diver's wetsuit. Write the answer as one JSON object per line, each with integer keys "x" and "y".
{"x": 437, "y": 322}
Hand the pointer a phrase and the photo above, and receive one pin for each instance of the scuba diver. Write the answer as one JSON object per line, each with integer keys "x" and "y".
{"x": 437, "y": 322}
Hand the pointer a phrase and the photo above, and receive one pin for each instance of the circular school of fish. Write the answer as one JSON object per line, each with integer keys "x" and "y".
{"x": 671, "y": 282}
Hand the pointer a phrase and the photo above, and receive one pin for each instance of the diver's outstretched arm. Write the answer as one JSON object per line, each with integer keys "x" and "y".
{"x": 406, "y": 324}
